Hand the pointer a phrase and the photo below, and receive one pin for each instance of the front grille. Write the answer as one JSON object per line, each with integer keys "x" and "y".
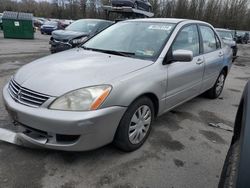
{"x": 26, "y": 96}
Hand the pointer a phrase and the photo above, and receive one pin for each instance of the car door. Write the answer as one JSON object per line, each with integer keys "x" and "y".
{"x": 185, "y": 78}
{"x": 213, "y": 56}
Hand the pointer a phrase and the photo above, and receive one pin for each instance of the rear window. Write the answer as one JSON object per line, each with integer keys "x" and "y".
{"x": 50, "y": 23}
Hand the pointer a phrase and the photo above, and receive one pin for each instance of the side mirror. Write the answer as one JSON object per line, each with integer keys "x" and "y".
{"x": 182, "y": 55}
{"x": 230, "y": 43}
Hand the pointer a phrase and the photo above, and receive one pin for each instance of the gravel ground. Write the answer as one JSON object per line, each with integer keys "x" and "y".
{"x": 182, "y": 150}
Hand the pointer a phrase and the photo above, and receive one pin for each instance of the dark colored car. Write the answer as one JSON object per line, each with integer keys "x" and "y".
{"x": 76, "y": 33}
{"x": 50, "y": 26}
{"x": 246, "y": 38}
{"x": 137, "y": 4}
{"x": 242, "y": 37}
{"x": 227, "y": 37}
{"x": 238, "y": 39}
{"x": 236, "y": 169}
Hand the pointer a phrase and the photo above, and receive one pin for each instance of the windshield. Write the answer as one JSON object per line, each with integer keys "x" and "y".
{"x": 142, "y": 40}
{"x": 51, "y": 23}
{"x": 225, "y": 35}
{"x": 85, "y": 26}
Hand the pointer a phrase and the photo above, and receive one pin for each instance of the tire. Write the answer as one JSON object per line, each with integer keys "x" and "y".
{"x": 42, "y": 33}
{"x": 229, "y": 171}
{"x": 214, "y": 92}
{"x": 130, "y": 135}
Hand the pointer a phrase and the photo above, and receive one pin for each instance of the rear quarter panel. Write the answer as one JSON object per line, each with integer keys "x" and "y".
{"x": 228, "y": 57}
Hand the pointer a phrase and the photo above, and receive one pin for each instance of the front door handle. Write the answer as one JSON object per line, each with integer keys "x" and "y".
{"x": 199, "y": 61}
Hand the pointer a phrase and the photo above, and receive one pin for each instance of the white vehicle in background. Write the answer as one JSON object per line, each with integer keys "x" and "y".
{"x": 66, "y": 23}
{"x": 227, "y": 37}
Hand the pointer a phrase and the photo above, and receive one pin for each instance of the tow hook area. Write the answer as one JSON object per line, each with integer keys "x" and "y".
{"x": 16, "y": 138}
{"x": 9, "y": 136}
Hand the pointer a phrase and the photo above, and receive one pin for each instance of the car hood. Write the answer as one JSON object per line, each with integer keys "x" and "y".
{"x": 49, "y": 26}
{"x": 60, "y": 73}
{"x": 67, "y": 35}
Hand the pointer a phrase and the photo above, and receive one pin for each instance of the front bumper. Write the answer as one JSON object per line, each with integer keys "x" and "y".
{"x": 42, "y": 127}
{"x": 57, "y": 46}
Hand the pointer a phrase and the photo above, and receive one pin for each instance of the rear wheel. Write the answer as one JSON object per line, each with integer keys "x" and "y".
{"x": 217, "y": 89}
{"x": 135, "y": 125}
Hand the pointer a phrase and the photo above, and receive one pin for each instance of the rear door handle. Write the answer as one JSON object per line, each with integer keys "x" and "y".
{"x": 199, "y": 61}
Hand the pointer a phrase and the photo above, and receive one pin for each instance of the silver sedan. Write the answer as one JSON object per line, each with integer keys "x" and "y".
{"x": 114, "y": 86}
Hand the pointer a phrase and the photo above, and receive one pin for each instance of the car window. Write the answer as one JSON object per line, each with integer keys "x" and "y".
{"x": 210, "y": 42}
{"x": 86, "y": 26}
{"x": 103, "y": 25}
{"x": 225, "y": 35}
{"x": 128, "y": 37}
{"x": 51, "y": 23}
{"x": 188, "y": 39}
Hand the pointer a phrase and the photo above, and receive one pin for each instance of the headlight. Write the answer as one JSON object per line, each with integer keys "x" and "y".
{"x": 79, "y": 40}
{"x": 82, "y": 99}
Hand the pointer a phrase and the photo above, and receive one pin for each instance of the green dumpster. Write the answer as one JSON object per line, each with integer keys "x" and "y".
{"x": 18, "y": 25}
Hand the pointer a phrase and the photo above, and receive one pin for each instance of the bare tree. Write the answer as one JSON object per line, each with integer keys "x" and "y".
{"x": 234, "y": 14}
{"x": 181, "y": 9}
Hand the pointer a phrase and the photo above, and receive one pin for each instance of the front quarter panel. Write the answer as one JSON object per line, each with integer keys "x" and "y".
{"x": 152, "y": 79}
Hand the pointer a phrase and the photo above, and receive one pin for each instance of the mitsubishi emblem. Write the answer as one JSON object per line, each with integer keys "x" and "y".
{"x": 19, "y": 94}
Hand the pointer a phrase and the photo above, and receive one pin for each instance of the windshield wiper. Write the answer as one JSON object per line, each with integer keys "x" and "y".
{"x": 126, "y": 54}
{"x": 85, "y": 48}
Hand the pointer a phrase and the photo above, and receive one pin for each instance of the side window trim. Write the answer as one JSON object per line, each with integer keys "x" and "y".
{"x": 200, "y": 40}
{"x": 217, "y": 39}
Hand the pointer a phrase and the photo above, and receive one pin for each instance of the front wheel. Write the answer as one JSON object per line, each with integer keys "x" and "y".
{"x": 135, "y": 125}
{"x": 217, "y": 89}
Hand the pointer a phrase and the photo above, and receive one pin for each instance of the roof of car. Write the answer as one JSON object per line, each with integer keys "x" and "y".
{"x": 167, "y": 20}
{"x": 99, "y": 20}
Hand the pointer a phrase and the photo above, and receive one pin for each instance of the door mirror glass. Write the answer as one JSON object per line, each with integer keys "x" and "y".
{"x": 182, "y": 55}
